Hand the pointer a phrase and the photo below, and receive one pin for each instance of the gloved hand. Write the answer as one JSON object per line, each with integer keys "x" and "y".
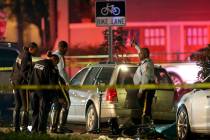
{"x": 140, "y": 94}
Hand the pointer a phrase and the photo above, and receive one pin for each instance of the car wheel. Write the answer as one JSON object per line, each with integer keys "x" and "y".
{"x": 182, "y": 124}
{"x": 91, "y": 118}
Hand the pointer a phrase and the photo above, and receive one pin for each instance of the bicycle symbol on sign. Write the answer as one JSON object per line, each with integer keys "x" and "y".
{"x": 110, "y": 9}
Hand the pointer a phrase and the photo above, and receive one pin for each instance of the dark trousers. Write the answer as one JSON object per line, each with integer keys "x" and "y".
{"x": 21, "y": 100}
{"x": 40, "y": 105}
{"x": 60, "y": 109}
{"x": 148, "y": 98}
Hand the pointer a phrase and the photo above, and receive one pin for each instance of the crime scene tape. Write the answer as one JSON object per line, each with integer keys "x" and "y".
{"x": 5, "y": 68}
{"x": 102, "y": 87}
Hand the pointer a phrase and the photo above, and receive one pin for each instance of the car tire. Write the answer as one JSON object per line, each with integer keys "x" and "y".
{"x": 91, "y": 119}
{"x": 183, "y": 125}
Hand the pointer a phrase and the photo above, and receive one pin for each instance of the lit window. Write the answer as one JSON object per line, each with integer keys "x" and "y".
{"x": 154, "y": 36}
{"x": 196, "y": 35}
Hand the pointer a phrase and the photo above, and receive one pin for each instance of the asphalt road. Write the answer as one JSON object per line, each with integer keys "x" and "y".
{"x": 168, "y": 130}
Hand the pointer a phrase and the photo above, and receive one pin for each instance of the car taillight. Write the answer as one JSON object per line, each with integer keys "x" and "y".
{"x": 111, "y": 94}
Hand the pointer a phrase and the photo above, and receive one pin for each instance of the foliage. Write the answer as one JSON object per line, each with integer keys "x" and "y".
{"x": 30, "y": 10}
{"x": 119, "y": 40}
{"x": 203, "y": 61}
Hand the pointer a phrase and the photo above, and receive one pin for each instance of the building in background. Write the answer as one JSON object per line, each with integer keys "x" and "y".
{"x": 171, "y": 29}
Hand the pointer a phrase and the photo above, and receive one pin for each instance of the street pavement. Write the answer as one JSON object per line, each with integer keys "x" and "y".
{"x": 166, "y": 130}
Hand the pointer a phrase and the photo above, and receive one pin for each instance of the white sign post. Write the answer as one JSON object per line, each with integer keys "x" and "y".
{"x": 110, "y": 13}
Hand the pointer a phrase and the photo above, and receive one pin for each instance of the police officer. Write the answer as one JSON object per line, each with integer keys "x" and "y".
{"x": 44, "y": 72}
{"x": 60, "y": 108}
{"x": 20, "y": 76}
{"x": 145, "y": 75}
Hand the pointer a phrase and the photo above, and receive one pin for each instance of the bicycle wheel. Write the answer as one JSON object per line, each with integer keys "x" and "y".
{"x": 104, "y": 11}
{"x": 116, "y": 11}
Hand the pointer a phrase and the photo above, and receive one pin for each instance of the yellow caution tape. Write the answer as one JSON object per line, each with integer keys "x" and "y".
{"x": 145, "y": 86}
{"x": 5, "y": 68}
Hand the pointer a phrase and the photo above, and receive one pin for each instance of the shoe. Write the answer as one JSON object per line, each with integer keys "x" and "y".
{"x": 42, "y": 132}
{"x": 146, "y": 120}
{"x": 63, "y": 130}
{"x": 25, "y": 130}
{"x": 34, "y": 132}
{"x": 17, "y": 130}
{"x": 53, "y": 130}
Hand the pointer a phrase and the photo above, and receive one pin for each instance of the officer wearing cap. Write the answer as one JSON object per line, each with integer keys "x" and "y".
{"x": 145, "y": 75}
{"x": 20, "y": 76}
{"x": 44, "y": 72}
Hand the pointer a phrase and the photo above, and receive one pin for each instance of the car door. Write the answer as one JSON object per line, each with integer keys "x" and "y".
{"x": 86, "y": 94}
{"x": 201, "y": 110}
{"x": 127, "y": 98}
{"x": 74, "y": 94}
{"x": 163, "y": 102}
{"x": 104, "y": 77}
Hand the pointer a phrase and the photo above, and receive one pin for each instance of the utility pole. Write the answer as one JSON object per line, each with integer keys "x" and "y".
{"x": 110, "y": 42}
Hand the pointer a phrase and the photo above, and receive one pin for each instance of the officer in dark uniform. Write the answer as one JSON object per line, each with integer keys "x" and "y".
{"x": 59, "y": 110}
{"x": 44, "y": 72}
{"x": 20, "y": 76}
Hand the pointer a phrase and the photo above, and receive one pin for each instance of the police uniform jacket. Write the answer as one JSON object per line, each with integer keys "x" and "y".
{"x": 22, "y": 68}
{"x": 144, "y": 73}
{"x": 44, "y": 73}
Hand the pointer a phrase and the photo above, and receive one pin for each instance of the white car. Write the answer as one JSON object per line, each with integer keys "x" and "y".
{"x": 193, "y": 114}
{"x": 182, "y": 72}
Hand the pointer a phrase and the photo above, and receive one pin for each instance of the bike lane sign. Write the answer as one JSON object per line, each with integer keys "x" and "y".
{"x": 110, "y": 13}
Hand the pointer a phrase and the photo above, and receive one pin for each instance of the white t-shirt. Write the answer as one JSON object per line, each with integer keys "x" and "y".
{"x": 61, "y": 67}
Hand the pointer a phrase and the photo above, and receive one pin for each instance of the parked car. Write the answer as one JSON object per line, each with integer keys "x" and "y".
{"x": 8, "y": 53}
{"x": 182, "y": 73}
{"x": 85, "y": 102}
{"x": 193, "y": 113}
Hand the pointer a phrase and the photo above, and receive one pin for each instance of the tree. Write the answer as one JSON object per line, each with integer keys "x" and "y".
{"x": 118, "y": 43}
{"x": 203, "y": 61}
{"x": 28, "y": 11}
